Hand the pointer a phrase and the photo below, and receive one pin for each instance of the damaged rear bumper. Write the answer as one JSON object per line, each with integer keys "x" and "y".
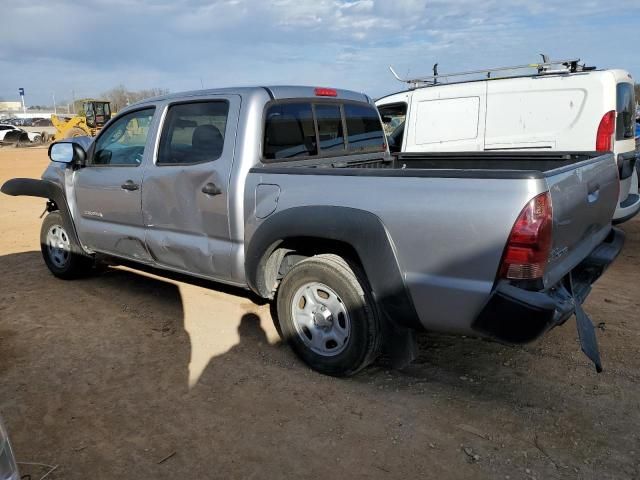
{"x": 514, "y": 315}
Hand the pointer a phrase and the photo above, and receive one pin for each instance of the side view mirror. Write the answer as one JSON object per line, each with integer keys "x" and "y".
{"x": 67, "y": 152}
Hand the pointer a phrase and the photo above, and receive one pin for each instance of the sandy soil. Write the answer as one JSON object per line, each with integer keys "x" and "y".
{"x": 135, "y": 375}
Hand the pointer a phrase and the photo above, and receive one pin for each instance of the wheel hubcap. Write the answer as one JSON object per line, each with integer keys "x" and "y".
{"x": 321, "y": 319}
{"x": 58, "y": 246}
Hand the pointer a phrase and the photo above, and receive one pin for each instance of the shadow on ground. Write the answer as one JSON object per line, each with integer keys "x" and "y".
{"x": 131, "y": 375}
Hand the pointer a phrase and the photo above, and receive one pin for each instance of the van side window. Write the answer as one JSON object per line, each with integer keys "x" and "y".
{"x": 393, "y": 120}
{"x": 289, "y": 131}
{"x": 193, "y": 133}
{"x": 626, "y": 108}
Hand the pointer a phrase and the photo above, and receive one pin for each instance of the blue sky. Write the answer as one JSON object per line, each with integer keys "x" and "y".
{"x": 91, "y": 46}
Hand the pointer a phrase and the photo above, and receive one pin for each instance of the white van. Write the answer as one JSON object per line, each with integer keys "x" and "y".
{"x": 570, "y": 110}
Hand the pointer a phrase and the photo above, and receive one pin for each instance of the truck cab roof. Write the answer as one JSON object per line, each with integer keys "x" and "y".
{"x": 275, "y": 92}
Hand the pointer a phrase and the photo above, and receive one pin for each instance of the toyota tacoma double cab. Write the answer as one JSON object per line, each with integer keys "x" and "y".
{"x": 292, "y": 192}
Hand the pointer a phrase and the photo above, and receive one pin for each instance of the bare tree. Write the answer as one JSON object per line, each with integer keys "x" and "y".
{"x": 120, "y": 96}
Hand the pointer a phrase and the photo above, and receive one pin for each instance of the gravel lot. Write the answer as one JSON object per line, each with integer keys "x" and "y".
{"x": 132, "y": 374}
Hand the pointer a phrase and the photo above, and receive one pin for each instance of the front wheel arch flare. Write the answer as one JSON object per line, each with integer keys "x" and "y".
{"x": 32, "y": 187}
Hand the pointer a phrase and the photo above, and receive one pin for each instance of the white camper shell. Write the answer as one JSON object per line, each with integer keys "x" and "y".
{"x": 566, "y": 110}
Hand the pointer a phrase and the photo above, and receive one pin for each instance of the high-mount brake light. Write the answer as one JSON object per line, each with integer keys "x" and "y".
{"x": 529, "y": 245}
{"x": 604, "y": 137}
{"x": 326, "y": 92}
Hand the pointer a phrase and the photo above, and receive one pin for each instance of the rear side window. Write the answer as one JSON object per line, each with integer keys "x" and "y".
{"x": 289, "y": 132}
{"x": 307, "y": 129}
{"x": 626, "y": 109}
{"x": 193, "y": 133}
{"x": 364, "y": 128}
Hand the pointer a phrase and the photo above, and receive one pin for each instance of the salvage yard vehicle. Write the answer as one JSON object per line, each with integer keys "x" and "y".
{"x": 12, "y": 134}
{"x": 95, "y": 115}
{"x": 292, "y": 192}
{"x": 562, "y": 106}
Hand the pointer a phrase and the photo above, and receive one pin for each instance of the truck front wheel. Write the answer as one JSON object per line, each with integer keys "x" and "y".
{"x": 327, "y": 315}
{"x": 59, "y": 249}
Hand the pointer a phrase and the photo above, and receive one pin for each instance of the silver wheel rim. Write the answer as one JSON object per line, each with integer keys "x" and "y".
{"x": 321, "y": 319}
{"x": 58, "y": 246}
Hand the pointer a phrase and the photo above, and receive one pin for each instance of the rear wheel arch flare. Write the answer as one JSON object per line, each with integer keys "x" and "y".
{"x": 358, "y": 231}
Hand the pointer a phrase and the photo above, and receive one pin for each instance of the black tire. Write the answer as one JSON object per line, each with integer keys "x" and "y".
{"x": 65, "y": 263}
{"x": 75, "y": 132}
{"x": 362, "y": 345}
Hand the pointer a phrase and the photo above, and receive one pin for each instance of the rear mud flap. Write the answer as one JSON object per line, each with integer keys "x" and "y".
{"x": 587, "y": 335}
{"x": 586, "y": 331}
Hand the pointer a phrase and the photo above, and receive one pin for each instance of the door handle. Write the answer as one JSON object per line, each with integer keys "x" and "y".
{"x": 130, "y": 186}
{"x": 593, "y": 194}
{"x": 211, "y": 189}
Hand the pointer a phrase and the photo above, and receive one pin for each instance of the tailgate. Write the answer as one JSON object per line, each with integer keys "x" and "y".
{"x": 583, "y": 197}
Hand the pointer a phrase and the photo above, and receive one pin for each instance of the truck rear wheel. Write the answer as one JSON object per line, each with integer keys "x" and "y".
{"x": 327, "y": 315}
{"x": 59, "y": 249}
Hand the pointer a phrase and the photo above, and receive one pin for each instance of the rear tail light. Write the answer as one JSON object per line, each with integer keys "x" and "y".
{"x": 326, "y": 92}
{"x": 604, "y": 137}
{"x": 529, "y": 244}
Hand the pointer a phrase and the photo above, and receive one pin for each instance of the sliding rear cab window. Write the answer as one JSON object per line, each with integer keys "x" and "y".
{"x": 289, "y": 132}
{"x": 364, "y": 128}
{"x": 297, "y": 130}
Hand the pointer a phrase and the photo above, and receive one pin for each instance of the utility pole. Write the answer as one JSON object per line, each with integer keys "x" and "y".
{"x": 73, "y": 100}
{"x": 21, "y": 92}
{"x": 55, "y": 109}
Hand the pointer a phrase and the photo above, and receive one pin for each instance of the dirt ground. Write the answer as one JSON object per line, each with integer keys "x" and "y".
{"x": 134, "y": 375}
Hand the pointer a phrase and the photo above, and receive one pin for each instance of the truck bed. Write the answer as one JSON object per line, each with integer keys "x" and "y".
{"x": 453, "y": 165}
{"x": 450, "y": 214}
{"x": 530, "y": 161}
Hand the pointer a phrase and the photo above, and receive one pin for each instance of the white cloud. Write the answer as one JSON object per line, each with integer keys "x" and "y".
{"x": 90, "y": 46}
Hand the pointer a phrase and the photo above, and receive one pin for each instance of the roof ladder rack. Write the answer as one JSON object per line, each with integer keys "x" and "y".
{"x": 547, "y": 66}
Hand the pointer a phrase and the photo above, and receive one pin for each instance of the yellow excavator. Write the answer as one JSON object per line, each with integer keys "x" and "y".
{"x": 96, "y": 114}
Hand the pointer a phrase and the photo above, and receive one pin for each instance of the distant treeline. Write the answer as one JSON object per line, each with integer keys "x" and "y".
{"x": 121, "y": 96}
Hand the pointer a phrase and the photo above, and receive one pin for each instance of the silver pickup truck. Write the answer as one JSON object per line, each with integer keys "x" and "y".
{"x": 292, "y": 193}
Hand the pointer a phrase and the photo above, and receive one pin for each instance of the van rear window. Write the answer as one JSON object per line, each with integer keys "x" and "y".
{"x": 294, "y": 131}
{"x": 626, "y": 109}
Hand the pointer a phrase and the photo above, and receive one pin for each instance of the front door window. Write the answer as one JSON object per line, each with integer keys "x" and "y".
{"x": 122, "y": 144}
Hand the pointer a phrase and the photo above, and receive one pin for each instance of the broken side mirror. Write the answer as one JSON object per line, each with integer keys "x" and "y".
{"x": 67, "y": 152}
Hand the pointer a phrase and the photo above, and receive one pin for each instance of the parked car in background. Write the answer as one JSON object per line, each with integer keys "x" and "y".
{"x": 8, "y": 467}
{"x": 42, "y": 122}
{"x": 12, "y": 134}
{"x": 569, "y": 108}
{"x": 270, "y": 189}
